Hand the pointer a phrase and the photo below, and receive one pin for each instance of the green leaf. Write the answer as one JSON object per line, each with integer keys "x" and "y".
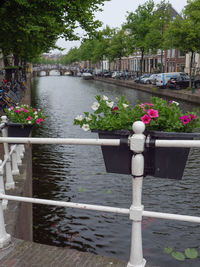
{"x": 108, "y": 191}
{"x": 191, "y": 253}
{"x": 178, "y": 256}
{"x": 81, "y": 189}
{"x": 168, "y": 250}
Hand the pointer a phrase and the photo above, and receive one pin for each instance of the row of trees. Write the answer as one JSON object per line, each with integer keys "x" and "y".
{"x": 31, "y": 27}
{"x": 149, "y": 28}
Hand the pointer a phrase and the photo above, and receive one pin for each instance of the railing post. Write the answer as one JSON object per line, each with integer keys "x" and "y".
{"x": 15, "y": 169}
{"x": 2, "y": 188}
{"x": 21, "y": 149}
{"x": 137, "y": 141}
{"x": 10, "y": 184}
{"x": 4, "y": 237}
{"x": 19, "y": 160}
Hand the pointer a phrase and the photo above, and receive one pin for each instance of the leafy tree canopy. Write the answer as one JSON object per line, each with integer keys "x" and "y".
{"x": 30, "y": 27}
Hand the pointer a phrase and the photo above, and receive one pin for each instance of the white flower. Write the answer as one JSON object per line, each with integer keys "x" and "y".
{"x": 86, "y": 127}
{"x": 174, "y": 102}
{"x": 79, "y": 117}
{"x": 125, "y": 105}
{"x": 109, "y": 104}
{"x": 35, "y": 112}
{"x": 29, "y": 122}
{"x": 105, "y": 97}
{"x": 95, "y": 106}
{"x": 88, "y": 118}
{"x": 36, "y": 116}
{"x": 39, "y": 109}
{"x": 17, "y": 107}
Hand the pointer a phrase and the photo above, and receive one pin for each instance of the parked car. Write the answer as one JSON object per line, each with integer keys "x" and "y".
{"x": 138, "y": 79}
{"x": 107, "y": 74}
{"x": 125, "y": 75}
{"x": 116, "y": 75}
{"x": 150, "y": 80}
{"x": 179, "y": 83}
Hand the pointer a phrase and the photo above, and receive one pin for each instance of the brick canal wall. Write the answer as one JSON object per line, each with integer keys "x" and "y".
{"x": 18, "y": 216}
{"x": 185, "y": 95}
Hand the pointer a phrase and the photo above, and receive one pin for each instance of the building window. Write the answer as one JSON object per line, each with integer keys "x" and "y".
{"x": 181, "y": 54}
{"x": 168, "y": 53}
{"x": 173, "y": 52}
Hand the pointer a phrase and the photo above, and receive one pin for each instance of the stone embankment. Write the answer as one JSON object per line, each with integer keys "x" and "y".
{"x": 185, "y": 95}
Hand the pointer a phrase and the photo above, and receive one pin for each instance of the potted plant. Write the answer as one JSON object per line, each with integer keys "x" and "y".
{"x": 163, "y": 120}
{"x": 21, "y": 119}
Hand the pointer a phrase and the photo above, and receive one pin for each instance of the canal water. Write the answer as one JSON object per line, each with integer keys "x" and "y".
{"x": 77, "y": 174}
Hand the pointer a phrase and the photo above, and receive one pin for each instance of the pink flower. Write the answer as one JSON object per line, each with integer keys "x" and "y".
{"x": 17, "y": 111}
{"x": 34, "y": 109}
{"x": 142, "y": 106}
{"x": 26, "y": 110}
{"x": 152, "y": 113}
{"x": 11, "y": 108}
{"x": 39, "y": 120}
{"x": 21, "y": 109}
{"x": 149, "y": 104}
{"x": 145, "y": 104}
{"x": 29, "y": 118}
{"x": 146, "y": 119}
{"x": 192, "y": 117}
{"x": 185, "y": 119}
{"x": 115, "y": 108}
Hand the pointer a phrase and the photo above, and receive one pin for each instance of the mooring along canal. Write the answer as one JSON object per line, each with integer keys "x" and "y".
{"x": 77, "y": 174}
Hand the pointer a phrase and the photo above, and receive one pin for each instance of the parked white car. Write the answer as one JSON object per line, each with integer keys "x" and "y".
{"x": 150, "y": 80}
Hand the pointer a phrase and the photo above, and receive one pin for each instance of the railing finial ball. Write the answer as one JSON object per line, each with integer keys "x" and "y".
{"x": 138, "y": 127}
{"x": 4, "y": 118}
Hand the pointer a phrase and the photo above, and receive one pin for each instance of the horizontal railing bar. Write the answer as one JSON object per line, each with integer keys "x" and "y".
{"x": 160, "y": 215}
{"x": 65, "y": 141}
{"x": 177, "y": 143}
{"x": 171, "y": 216}
{"x": 96, "y": 142}
{"x": 65, "y": 204}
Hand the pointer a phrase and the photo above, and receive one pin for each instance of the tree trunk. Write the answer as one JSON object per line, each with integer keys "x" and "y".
{"x": 191, "y": 66}
{"x": 161, "y": 61}
{"x": 16, "y": 63}
{"x": 8, "y": 73}
{"x": 141, "y": 61}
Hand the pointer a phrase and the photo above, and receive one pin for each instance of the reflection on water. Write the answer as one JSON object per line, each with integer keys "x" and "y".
{"x": 77, "y": 174}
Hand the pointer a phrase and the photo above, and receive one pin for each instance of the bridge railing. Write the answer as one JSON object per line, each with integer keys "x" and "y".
{"x": 135, "y": 211}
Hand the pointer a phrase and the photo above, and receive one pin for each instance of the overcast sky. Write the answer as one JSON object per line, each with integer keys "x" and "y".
{"x": 114, "y": 14}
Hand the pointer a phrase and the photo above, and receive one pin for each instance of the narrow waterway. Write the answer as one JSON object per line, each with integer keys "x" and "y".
{"x": 77, "y": 174}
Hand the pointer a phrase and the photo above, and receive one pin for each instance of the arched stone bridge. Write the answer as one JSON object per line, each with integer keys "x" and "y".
{"x": 48, "y": 68}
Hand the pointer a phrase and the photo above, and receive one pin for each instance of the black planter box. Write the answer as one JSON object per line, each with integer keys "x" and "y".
{"x": 18, "y": 129}
{"x": 158, "y": 162}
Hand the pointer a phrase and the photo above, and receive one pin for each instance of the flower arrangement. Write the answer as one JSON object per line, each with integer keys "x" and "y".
{"x": 25, "y": 114}
{"x": 158, "y": 115}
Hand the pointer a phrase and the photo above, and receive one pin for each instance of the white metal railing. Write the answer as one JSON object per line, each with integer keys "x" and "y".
{"x": 136, "y": 211}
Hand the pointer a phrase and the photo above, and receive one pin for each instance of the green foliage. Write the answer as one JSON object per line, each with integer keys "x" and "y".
{"x": 29, "y": 28}
{"x": 138, "y": 26}
{"x": 190, "y": 253}
{"x": 168, "y": 250}
{"x": 158, "y": 115}
{"x": 178, "y": 256}
{"x": 25, "y": 114}
{"x": 81, "y": 190}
